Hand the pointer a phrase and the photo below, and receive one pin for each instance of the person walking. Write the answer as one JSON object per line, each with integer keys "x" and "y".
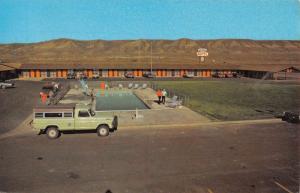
{"x": 163, "y": 98}
{"x": 159, "y": 95}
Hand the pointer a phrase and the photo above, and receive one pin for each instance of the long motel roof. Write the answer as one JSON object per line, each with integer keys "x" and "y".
{"x": 250, "y": 67}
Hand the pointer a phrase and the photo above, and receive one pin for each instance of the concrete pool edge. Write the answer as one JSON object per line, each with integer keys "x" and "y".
{"x": 142, "y": 100}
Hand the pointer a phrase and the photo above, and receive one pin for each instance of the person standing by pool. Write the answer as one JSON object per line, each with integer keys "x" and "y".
{"x": 159, "y": 95}
{"x": 164, "y": 94}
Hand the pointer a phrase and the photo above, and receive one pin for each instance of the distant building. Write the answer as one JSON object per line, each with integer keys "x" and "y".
{"x": 9, "y": 70}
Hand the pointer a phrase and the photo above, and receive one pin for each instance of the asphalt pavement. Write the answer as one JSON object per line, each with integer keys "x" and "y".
{"x": 212, "y": 159}
{"x": 16, "y": 103}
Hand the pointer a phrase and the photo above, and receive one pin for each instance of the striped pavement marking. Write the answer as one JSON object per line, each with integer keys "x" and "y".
{"x": 283, "y": 187}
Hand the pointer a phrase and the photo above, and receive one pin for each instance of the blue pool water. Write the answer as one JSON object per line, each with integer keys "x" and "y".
{"x": 118, "y": 100}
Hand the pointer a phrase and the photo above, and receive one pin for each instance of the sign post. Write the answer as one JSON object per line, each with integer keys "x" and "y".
{"x": 202, "y": 53}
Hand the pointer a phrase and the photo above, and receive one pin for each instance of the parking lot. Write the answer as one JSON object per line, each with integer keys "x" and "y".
{"x": 16, "y": 103}
{"x": 204, "y": 159}
{"x": 240, "y": 158}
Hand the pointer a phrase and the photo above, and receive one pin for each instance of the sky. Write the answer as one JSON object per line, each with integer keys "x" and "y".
{"x": 25, "y": 21}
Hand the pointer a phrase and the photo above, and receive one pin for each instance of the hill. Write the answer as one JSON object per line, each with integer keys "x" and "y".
{"x": 181, "y": 51}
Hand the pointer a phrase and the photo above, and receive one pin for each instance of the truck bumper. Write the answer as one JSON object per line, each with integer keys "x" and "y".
{"x": 115, "y": 123}
{"x": 37, "y": 131}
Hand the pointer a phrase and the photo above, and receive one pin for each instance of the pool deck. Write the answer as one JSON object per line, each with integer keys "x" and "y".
{"x": 157, "y": 115}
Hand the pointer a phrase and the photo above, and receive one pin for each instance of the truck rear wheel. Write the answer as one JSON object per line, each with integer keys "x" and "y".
{"x": 52, "y": 133}
{"x": 103, "y": 130}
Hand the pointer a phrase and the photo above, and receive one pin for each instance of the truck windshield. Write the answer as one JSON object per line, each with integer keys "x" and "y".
{"x": 83, "y": 114}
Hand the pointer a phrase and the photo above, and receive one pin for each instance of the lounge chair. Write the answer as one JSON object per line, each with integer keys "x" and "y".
{"x": 174, "y": 102}
{"x": 144, "y": 86}
{"x": 120, "y": 86}
{"x": 136, "y": 86}
{"x": 130, "y": 85}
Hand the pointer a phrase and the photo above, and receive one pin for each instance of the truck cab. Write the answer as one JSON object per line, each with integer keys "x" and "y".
{"x": 53, "y": 120}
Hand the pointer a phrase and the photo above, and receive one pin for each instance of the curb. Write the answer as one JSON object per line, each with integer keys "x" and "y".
{"x": 25, "y": 123}
{"x": 215, "y": 123}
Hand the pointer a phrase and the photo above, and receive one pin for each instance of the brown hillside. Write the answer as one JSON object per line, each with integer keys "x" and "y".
{"x": 167, "y": 52}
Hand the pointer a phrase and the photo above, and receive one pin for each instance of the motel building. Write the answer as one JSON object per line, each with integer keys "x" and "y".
{"x": 32, "y": 71}
{"x": 113, "y": 71}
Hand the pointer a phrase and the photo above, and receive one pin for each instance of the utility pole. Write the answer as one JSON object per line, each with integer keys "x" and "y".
{"x": 151, "y": 57}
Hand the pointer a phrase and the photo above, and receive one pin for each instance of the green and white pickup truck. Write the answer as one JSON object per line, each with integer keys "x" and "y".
{"x": 53, "y": 120}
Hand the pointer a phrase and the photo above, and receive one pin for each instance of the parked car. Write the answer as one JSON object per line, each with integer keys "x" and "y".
{"x": 51, "y": 85}
{"x": 95, "y": 76}
{"x": 291, "y": 117}
{"x": 129, "y": 75}
{"x": 149, "y": 75}
{"x": 188, "y": 75}
{"x": 219, "y": 75}
{"x": 53, "y": 120}
{"x": 6, "y": 84}
{"x": 236, "y": 75}
{"x": 71, "y": 76}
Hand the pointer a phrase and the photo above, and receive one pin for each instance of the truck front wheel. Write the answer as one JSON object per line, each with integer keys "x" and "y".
{"x": 103, "y": 130}
{"x": 52, "y": 133}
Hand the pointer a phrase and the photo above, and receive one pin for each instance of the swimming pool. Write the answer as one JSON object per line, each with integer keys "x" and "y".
{"x": 118, "y": 100}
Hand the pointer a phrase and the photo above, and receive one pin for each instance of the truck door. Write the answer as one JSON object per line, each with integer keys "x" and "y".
{"x": 82, "y": 120}
{"x": 68, "y": 121}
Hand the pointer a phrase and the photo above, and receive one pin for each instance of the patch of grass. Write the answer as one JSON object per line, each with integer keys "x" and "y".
{"x": 236, "y": 99}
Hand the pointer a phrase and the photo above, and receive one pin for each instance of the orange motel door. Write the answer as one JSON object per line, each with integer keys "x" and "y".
{"x": 110, "y": 73}
{"x": 140, "y": 73}
{"x": 32, "y": 73}
{"x": 38, "y": 73}
{"x": 116, "y": 73}
{"x": 181, "y": 72}
{"x": 90, "y": 73}
{"x": 58, "y": 73}
{"x": 64, "y": 73}
{"x": 209, "y": 73}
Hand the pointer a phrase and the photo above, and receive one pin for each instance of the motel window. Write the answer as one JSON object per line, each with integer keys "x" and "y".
{"x": 44, "y": 73}
{"x": 95, "y": 71}
{"x": 173, "y": 72}
{"x": 53, "y": 115}
{"x": 195, "y": 73}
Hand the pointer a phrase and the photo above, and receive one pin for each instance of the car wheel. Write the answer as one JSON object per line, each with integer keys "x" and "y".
{"x": 52, "y": 133}
{"x": 103, "y": 131}
{"x": 3, "y": 87}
